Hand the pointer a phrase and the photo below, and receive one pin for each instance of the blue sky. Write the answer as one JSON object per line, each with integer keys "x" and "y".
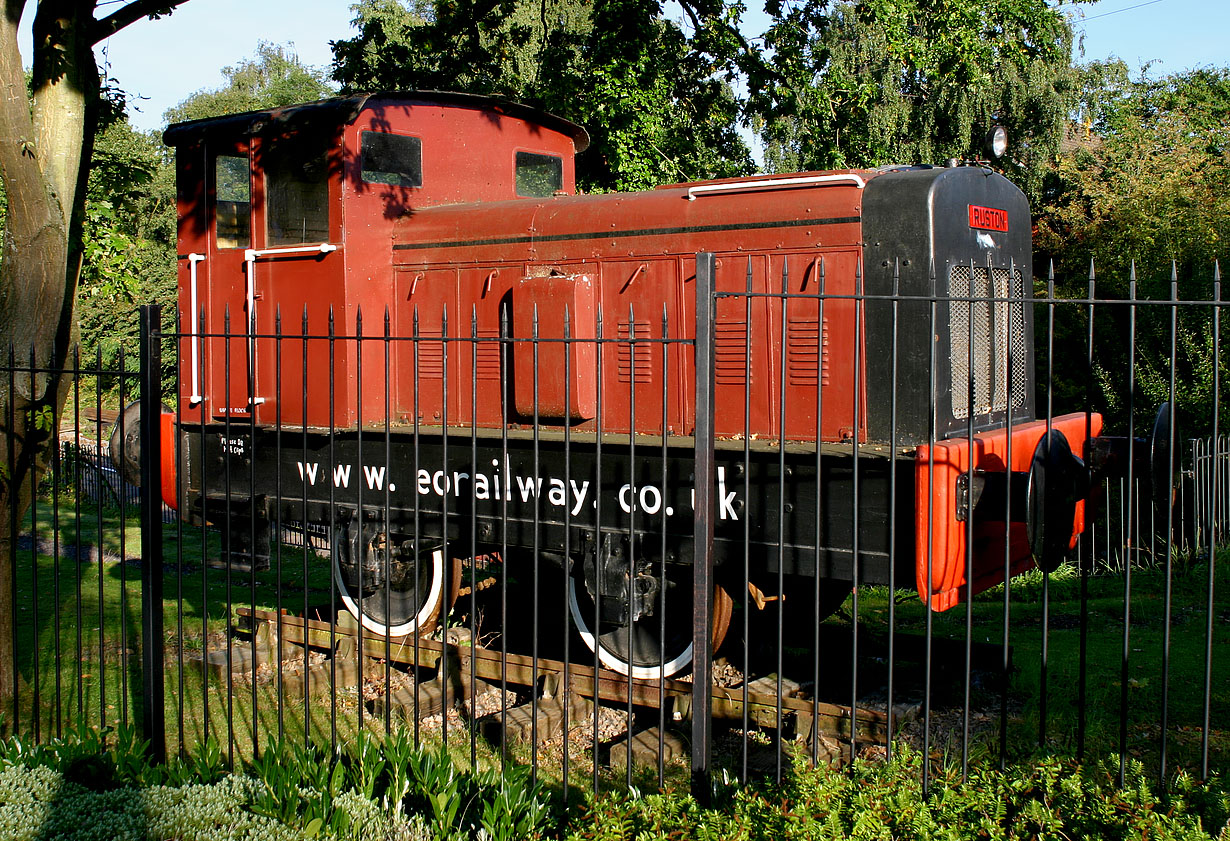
{"x": 1179, "y": 34}
{"x": 165, "y": 61}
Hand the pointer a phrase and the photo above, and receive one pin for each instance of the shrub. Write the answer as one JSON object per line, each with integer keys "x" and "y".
{"x": 872, "y": 800}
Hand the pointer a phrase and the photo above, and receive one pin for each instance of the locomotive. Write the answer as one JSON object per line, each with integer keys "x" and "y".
{"x": 404, "y": 332}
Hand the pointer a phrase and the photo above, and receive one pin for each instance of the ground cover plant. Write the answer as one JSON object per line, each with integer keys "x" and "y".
{"x": 94, "y": 784}
{"x": 1051, "y": 798}
{"x": 99, "y": 785}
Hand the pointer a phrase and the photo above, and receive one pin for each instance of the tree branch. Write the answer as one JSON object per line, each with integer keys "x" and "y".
{"x": 130, "y": 13}
{"x": 750, "y": 54}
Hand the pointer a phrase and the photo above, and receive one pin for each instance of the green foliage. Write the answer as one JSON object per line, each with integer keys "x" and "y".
{"x": 366, "y": 763}
{"x": 39, "y": 803}
{"x": 831, "y": 84}
{"x": 913, "y": 81}
{"x": 654, "y": 98}
{"x": 128, "y": 245}
{"x": 300, "y": 784}
{"x": 205, "y": 763}
{"x": 305, "y": 792}
{"x": 46, "y": 789}
{"x": 873, "y": 800}
{"x": 273, "y": 78}
{"x": 94, "y": 759}
{"x": 1144, "y": 179}
{"x": 512, "y": 808}
{"x": 1142, "y": 185}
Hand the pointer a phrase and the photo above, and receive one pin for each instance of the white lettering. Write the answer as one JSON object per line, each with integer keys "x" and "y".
{"x": 558, "y": 495}
{"x": 625, "y": 499}
{"x": 579, "y": 495}
{"x": 654, "y": 501}
{"x": 375, "y": 477}
{"x": 424, "y": 482}
{"x": 529, "y": 487}
{"x": 457, "y": 477}
{"x": 725, "y": 500}
{"x": 310, "y": 471}
{"x": 482, "y": 486}
{"x": 441, "y": 490}
{"x": 341, "y": 476}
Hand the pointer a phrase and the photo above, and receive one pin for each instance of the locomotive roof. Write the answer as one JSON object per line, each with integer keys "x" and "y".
{"x": 343, "y": 110}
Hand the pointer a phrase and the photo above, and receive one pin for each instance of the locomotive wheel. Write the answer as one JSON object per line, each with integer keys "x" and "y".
{"x": 414, "y": 605}
{"x": 640, "y": 650}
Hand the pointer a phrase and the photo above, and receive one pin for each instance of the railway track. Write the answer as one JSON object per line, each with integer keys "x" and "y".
{"x": 446, "y": 671}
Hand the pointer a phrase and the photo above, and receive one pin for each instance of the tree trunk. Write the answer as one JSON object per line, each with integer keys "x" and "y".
{"x": 41, "y": 160}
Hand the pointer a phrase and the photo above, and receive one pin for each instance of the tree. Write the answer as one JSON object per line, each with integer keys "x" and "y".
{"x": 656, "y": 100}
{"x": 912, "y": 81}
{"x": 128, "y": 244}
{"x": 46, "y": 145}
{"x": 1145, "y": 180}
{"x": 1143, "y": 184}
{"x": 273, "y": 78}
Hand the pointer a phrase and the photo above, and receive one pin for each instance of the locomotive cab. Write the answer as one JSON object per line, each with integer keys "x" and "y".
{"x": 283, "y": 215}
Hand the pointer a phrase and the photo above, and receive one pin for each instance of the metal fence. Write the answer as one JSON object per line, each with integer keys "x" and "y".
{"x": 648, "y": 549}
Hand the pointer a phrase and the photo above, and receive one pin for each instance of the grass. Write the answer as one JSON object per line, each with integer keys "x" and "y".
{"x": 79, "y": 620}
{"x": 1047, "y": 609}
{"x": 78, "y": 626}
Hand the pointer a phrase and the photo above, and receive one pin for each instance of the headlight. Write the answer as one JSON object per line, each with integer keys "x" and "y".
{"x": 997, "y": 142}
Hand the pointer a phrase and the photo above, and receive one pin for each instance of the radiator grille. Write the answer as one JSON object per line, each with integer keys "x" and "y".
{"x": 996, "y": 329}
{"x": 730, "y": 352}
{"x": 487, "y": 355}
{"x": 633, "y": 356}
{"x": 431, "y": 356}
{"x": 807, "y": 351}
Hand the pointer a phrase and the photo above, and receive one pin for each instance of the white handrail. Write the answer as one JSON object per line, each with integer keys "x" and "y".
{"x": 194, "y": 317}
{"x": 254, "y": 253}
{"x": 776, "y": 184}
{"x": 249, "y": 261}
{"x": 250, "y": 256}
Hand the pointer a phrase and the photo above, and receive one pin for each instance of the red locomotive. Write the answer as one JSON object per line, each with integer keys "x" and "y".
{"x": 401, "y": 329}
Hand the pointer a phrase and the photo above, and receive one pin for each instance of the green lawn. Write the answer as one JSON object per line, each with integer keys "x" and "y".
{"x": 78, "y": 642}
{"x": 1104, "y": 644}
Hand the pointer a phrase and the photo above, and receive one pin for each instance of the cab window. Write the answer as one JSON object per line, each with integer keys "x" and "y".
{"x": 539, "y": 175}
{"x": 296, "y": 192}
{"x": 232, "y": 201}
{"x": 394, "y": 159}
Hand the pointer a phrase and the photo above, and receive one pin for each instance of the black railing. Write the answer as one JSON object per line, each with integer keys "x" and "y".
{"x": 584, "y": 539}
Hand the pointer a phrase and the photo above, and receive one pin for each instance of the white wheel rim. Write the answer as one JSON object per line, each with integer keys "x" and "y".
{"x": 612, "y": 660}
{"x": 429, "y": 606}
